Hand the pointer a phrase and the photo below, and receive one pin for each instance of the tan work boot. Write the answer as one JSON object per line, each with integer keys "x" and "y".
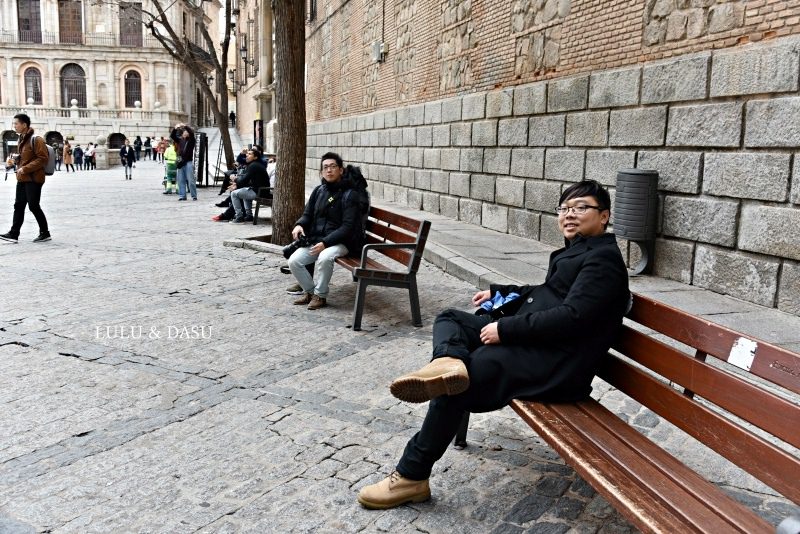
{"x": 392, "y": 491}
{"x": 305, "y": 298}
{"x": 443, "y": 376}
{"x": 316, "y": 303}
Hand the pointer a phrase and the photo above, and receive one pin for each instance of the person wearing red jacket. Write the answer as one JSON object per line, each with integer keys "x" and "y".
{"x": 30, "y": 163}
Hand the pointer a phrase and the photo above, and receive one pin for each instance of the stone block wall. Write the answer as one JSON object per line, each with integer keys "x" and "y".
{"x": 722, "y": 128}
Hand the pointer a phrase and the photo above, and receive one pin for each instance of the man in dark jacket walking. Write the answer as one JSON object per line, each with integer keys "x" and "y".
{"x": 329, "y": 221}
{"x": 30, "y": 165}
{"x": 184, "y": 136}
{"x": 546, "y": 344}
{"x": 128, "y": 157}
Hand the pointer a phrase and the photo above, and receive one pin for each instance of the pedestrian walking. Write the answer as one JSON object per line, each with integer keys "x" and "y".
{"x": 137, "y": 147}
{"x": 147, "y": 147}
{"x": 88, "y": 157}
{"x": 77, "y": 155}
{"x": 59, "y": 150}
{"x": 127, "y": 156}
{"x": 30, "y": 162}
{"x": 232, "y": 117}
{"x": 184, "y": 136}
{"x": 67, "y": 155}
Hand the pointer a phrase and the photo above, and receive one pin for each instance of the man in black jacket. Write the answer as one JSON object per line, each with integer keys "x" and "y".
{"x": 184, "y": 136}
{"x": 127, "y": 157}
{"x": 330, "y": 221}
{"x": 545, "y": 345}
{"x": 245, "y": 188}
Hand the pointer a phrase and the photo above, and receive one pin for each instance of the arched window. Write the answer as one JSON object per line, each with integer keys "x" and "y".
{"x": 33, "y": 85}
{"x": 133, "y": 88}
{"x": 73, "y": 85}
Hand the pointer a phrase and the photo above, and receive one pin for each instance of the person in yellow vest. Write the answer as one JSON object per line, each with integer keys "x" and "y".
{"x": 171, "y": 173}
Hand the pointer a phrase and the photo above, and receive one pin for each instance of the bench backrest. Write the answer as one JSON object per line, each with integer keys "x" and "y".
{"x": 698, "y": 389}
{"x": 388, "y": 227}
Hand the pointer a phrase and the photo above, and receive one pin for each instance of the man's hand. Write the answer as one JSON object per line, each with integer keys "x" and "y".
{"x": 489, "y": 335}
{"x": 232, "y": 186}
{"x": 480, "y": 297}
{"x": 297, "y": 231}
{"x": 316, "y": 249}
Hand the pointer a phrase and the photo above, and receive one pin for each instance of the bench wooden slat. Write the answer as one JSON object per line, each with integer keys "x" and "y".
{"x": 608, "y": 457}
{"x": 772, "y": 363}
{"x": 396, "y": 219}
{"x": 767, "y": 462}
{"x": 762, "y": 408}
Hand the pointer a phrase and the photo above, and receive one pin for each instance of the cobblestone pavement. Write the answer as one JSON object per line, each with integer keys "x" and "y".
{"x": 152, "y": 380}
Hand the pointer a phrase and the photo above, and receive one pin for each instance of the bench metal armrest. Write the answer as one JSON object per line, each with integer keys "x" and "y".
{"x": 382, "y": 246}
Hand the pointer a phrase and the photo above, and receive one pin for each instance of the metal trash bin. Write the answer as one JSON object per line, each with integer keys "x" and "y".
{"x": 635, "y": 212}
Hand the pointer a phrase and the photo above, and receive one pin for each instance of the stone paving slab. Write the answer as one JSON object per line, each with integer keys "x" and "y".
{"x": 269, "y": 417}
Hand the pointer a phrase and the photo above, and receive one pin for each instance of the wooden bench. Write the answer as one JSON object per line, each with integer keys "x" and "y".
{"x": 718, "y": 391}
{"x": 398, "y": 238}
{"x": 264, "y": 198}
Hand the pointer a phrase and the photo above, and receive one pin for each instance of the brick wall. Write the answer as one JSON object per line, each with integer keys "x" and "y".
{"x": 720, "y": 125}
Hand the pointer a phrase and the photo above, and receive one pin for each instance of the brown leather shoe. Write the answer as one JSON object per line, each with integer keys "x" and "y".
{"x": 305, "y": 298}
{"x": 392, "y": 491}
{"x": 316, "y": 303}
{"x": 443, "y": 376}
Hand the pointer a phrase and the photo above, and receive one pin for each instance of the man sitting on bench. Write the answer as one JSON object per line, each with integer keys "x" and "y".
{"x": 545, "y": 344}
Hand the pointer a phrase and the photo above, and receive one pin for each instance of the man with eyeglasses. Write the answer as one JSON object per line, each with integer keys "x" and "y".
{"x": 545, "y": 344}
{"x": 329, "y": 222}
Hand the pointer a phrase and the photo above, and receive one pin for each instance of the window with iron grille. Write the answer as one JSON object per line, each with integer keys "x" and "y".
{"x": 130, "y": 23}
{"x": 73, "y": 85}
{"x": 29, "y": 21}
{"x": 33, "y": 85}
{"x": 241, "y": 64}
{"x": 70, "y": 27}
{"x": 253, "y": 48}
{"x": 133, "y": 88}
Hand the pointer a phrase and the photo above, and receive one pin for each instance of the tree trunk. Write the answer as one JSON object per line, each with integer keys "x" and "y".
{"x": 288, "y": 202}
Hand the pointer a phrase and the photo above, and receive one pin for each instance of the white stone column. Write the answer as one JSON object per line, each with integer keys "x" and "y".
{"x": 91, "y": 85}
{"x": 153, "y": 88}
{"x": 11, "y": 84}
{"x": 52, "y": 98}
{"x": 113, "y": 101}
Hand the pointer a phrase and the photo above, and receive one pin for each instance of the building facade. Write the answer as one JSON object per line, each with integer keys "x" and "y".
{"x": 86, "y": 70}
{"x": 253, "y": 74}
{"x": 485, "y": 111}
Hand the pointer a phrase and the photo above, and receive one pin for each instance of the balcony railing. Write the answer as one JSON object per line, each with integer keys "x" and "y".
{"x": 42, "y": 112}
{"x": 78, "y": 38}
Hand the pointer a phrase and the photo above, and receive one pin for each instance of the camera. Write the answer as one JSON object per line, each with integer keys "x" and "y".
{"x": 302, "y": 241}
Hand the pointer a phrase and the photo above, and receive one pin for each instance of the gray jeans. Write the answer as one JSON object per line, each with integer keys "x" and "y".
{"x": 323, "y": 268}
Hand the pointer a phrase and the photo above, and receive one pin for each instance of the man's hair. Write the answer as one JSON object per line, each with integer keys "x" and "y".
{"x": 331, "y": 155}
{"x": 587, "y": 188}
{"x": 22, "y": 117}
{"x": 256, "y": 152}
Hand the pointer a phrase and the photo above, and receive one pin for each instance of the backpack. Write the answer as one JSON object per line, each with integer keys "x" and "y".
{"x": 50, "y": 166}
{"x": 358, "y": 193}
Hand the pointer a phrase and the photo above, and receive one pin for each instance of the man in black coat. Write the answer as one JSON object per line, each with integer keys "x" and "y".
{"x": 245, "y": 189}
{"x": 330, "y": 221}
{"x": 128, "y": 157}
{"x": 546, "y": 344}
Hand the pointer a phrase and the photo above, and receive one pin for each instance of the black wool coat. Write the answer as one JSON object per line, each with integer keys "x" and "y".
{"x": 551, "y": 345}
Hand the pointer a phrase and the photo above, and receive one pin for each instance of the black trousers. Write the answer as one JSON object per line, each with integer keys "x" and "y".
{"x": 28, "y": 193}
{"x": 456, "y": 334}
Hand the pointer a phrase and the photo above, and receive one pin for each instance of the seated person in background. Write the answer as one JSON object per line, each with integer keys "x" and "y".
{"x": 545, "y": 345}
{"x": 330, "y": 222}
{"x": 245, "y": 188}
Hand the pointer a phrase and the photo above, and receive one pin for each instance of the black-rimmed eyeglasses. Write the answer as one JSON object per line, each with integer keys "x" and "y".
{"x": 578, "y": 210}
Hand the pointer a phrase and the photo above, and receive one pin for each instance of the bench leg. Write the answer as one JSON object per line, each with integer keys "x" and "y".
{"x": 413, "y": 296}
{"x": 255, "y": 214}
{"x": 358, "y": 308}
{"x": 461, "y": 436}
